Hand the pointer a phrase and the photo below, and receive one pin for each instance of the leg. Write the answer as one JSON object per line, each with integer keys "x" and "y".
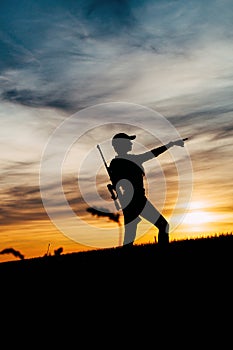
{"x": 151, "y": 214}
{"x": 130, "y": 231}
{"x": 163, "y": 226}
{"x": 131, "y": 214}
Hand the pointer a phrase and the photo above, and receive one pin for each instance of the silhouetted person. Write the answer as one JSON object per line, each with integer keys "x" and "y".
{"x": 127, "y": 174}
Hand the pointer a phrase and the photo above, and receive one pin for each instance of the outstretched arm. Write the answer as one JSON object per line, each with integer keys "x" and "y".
{"x": 159, "y": 150}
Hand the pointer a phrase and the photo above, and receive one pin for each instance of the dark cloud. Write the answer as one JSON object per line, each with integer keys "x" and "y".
{"x": 110, "y": 17}
{"x": 37, "y": 99}
{"x": 225, "y": 131}
{"x": 23, "y": 204}
{"x": 211, "y": 123}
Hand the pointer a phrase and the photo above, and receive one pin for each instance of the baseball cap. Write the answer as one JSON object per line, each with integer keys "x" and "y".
{"x": 122, "y": 135}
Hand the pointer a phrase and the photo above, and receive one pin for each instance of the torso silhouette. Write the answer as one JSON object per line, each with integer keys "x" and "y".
{"x": 130, "y": 167}
{"x": 128, "y": 174}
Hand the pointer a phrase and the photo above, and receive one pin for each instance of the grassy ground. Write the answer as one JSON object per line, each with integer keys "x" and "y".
{"x": 185, "y": 257}
{"x": 184, "y": 288}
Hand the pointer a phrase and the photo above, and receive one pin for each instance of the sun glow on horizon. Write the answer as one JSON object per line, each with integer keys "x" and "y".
{"x": 199, "y": 216}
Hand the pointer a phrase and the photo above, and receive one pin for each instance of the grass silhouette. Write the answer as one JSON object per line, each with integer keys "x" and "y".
{"x": 197, "y": 253}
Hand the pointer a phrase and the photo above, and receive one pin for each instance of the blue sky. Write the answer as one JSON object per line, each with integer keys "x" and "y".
{"x": 73, "y": 54}
{"x": 59, "y": 58}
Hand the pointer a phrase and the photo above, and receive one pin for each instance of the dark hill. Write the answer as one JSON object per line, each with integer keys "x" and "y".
{"x": 192, "y": 259}
{"x": 191, "y": 280}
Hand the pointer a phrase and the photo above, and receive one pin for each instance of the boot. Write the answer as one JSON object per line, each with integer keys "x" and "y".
{"x": 163, "y": 239}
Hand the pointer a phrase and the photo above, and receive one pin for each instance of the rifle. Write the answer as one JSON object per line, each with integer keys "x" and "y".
{"x": 110, "y": 186}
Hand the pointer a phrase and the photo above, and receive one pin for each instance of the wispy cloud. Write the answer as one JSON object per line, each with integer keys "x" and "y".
{"x": 149, "y": 51}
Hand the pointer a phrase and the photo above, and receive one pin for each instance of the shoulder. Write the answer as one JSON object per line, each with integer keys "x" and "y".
{"x": 122, "y": 163}
{"x": 114, "y": 162}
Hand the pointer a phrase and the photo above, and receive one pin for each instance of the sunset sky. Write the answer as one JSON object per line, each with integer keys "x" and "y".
{"x": 74, "y": 73}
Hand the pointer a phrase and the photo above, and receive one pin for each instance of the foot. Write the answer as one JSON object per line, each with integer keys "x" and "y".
{"x": 163, "y": 239}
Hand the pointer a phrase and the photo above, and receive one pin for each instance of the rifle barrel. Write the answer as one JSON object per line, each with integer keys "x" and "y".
{"x": 101, "y": 153}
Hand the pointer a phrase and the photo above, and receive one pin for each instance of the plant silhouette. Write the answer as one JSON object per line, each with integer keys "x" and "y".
{"x": 104, "y": 212}
{"x": 16, "y": 253}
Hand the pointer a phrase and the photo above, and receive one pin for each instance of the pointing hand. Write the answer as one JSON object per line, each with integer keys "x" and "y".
{"x": 179, "y": 142}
